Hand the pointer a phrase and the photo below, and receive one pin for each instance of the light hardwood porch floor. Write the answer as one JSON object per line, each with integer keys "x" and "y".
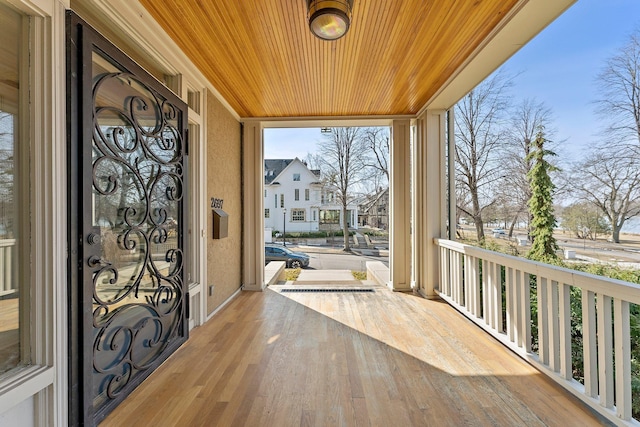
{"x": 345, "y": 359}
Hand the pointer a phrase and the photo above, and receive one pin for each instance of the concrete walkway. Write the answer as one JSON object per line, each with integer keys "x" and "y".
{"x": 326, "y": 277}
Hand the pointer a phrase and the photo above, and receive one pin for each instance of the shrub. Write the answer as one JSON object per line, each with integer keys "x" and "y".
{"x": 291, "y": 274}
{"x": 359, "y": 275}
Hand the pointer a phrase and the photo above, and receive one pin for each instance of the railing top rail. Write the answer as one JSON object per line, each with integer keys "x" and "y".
{"x": 602, "y": 285}
{"x": 7, "y": 242}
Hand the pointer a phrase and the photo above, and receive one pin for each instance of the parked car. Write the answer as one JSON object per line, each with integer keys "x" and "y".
{"x": 281, "y": 253}
{"x": 497, "y": 232}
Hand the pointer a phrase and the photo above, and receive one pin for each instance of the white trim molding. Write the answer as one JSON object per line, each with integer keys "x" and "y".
{"x": 134, "y": 21}
{"x": 45, "y": 381}
{"x": 252, "y": 207}
{"x": 400, "y": 200}
{"x": 429, "y": 200}
{"x": 24, "y": 384}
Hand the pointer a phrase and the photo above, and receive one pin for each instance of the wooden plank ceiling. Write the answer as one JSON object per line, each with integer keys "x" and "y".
{"x": 262, "y": 58}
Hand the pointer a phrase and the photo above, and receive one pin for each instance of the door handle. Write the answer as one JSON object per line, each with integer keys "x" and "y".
{"x": 96, "y": 261}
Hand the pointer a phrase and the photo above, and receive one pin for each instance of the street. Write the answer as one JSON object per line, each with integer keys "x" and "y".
{"x": 627, "y": 251}
{"x": 326, "y": 258}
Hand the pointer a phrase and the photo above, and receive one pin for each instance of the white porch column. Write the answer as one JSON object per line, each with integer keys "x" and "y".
{"x": 253, "y": 208}
{"x": 451, "y": 160}
{"x": 400, "y": 200}
{"x": 429, "y": 201}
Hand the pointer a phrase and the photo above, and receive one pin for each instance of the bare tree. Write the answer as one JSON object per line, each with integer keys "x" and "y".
{"x": 610, "y": 175}
{"x": 619, "y": 84}
{"x": 313, "y": 161}
{"x": 343, "y": 162}
{"x": 584, "y": 220}
{"x": 479, "y": 145}
{"x": 611, "y": 181}
{"x": 377, "y": 141}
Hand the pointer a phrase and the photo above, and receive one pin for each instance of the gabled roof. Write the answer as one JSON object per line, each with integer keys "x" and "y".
{"x": 273, "y": 168}
{"x": 372, "y": 199}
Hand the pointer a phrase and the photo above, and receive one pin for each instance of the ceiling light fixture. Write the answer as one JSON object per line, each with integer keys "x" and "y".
{"x": 329, "y": 19}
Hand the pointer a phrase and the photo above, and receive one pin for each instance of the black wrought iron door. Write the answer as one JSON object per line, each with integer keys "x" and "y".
{"x": 127, "y": 150}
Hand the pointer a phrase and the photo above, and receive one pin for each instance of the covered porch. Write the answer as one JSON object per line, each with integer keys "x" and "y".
{"x": 346, "y": 358}
{"x": 436, "y": 344}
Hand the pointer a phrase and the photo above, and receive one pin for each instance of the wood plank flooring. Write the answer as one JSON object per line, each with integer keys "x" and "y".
{"x": 9, "y": 334}
{"x": 345, "y": 359}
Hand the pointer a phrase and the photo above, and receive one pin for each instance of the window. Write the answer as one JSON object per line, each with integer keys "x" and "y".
{"x": 328, "y": 197}
{"x": 306, "y": 194}
{"x": 330, "y": 217}
{"x": 275, "y": 200}
{"x": 267, "y": 213}
{"x": 14, "y": 215}
{"x": 282, "y": 200}
{"x": 298, "y": 215}
{"x": 296, "y": 195}
{"x": 193, "y": 100}
{"x": 296, "y": 177}
{"x": 314, "y": 215}
{"x": 265, "y": 194}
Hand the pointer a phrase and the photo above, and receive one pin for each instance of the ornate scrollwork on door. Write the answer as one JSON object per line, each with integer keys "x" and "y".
{"x": 137, "y": 195}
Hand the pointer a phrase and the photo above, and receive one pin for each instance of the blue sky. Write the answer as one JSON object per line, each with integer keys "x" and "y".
{"x": 558, "y": 67}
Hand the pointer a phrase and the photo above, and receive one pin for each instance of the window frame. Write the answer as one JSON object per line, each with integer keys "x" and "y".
{"x": 43, "y": 134}
{"x": 295, "y": 215}
{"x": 296, "y": 194}
{"x": 22, "y": 145}
{"x": 333, "y": 219}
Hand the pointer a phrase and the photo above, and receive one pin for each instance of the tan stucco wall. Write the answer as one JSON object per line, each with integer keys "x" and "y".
{"x": 224, "y": 180}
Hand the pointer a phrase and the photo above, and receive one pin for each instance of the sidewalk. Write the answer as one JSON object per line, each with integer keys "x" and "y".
{"x": 372, "y": 252}
{"x": 317, "y": 249}
{"x": 338, "y": 250}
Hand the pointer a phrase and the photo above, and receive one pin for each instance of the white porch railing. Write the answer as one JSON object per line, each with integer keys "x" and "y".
{"x": 493, "y": 290}
{"x": 8, "y": 280}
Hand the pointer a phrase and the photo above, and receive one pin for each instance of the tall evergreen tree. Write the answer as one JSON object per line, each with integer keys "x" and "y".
{"x": 543, "y": 220}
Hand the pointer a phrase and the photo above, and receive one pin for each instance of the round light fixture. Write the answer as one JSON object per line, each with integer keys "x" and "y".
{"x": 329, "y": 19}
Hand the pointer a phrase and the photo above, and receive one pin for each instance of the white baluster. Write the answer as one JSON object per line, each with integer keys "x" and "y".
{"x": 623, "y": 358}
{"x": 605, "y": 355}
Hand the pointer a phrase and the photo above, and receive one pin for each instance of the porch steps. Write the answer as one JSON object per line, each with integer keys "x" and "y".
{"x": 362, "y": 240}
{"x": 326, "y": 277}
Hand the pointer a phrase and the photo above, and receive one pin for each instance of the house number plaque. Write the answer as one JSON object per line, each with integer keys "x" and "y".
{"x": 216, "y": 203}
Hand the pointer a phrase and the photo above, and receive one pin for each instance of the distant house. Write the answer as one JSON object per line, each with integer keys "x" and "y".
{"x": 331, "y": 211}
{"x": 374, "y": 210}
{"x": 295, "y": 199}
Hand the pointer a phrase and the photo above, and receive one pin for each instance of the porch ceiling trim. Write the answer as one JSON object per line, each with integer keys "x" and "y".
{"x": 314, "y": 122}
{"x": 149, "y": 38}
